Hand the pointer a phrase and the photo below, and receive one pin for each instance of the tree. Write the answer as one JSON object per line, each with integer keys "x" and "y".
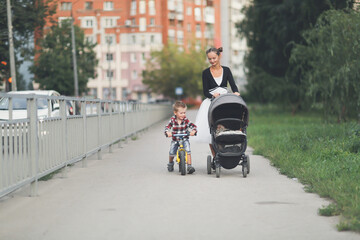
{"x": 271, "y": 28}
{"x": 329, "y": 63}
{"x": 28, "y": 17}
{"x": 53, "y": 68}
{"x": 171, "y": 68}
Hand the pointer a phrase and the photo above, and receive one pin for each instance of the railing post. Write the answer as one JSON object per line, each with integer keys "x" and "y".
{"x": 124, "y": 124}
{"x": 119, "y": 118}
{"x": 64, "y": 139}
{"x": 34, "y": 144}
{"x": 110, "y": 125}
{"x": 83, "y": 113}
{"x": 10, "y": 108}
{"x": 99, "y": 129}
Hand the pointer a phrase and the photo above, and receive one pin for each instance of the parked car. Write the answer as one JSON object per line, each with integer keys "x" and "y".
{"x": 20, "y": 105}
{"x": 70, "y": 107}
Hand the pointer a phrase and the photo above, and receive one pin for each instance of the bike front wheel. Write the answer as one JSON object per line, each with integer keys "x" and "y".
{"x": 182, "y": 164}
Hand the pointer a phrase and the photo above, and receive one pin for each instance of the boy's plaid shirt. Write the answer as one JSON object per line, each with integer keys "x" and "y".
{"x": 177, "y": 128}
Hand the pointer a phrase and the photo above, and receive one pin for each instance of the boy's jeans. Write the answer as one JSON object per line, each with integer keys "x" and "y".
{"x": 174, "y": 146}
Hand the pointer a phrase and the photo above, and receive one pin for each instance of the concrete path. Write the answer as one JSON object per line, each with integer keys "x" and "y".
{"x": 129, "y": 194}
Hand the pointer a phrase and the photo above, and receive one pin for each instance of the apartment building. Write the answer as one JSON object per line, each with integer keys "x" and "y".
{"x": 127, "y": 31}
{"x": 234, "y": 46}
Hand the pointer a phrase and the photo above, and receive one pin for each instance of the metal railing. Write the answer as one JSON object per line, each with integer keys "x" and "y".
{"x": 34, "y": 147}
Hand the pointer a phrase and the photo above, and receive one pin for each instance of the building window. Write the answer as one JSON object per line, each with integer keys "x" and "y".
{"x": 88, "y": 5}
{"x": 142, "y": 24}
{"x": 90, "y": 39}
{"x": 189, "y": 11}
{"x": 152, "y": 9}
{"x": 88, "y": 23}
{"x": 133, "y": 7}
{"x": 93, "y": 92}
{"x": 109, "y": 22}
{"x": 108, "y": 6}
{"x": 65, "y": 6}
{"x": 152, "y": 39}
{"x": 109, "y": 57}
{"x": 142, "y": 7}
{"x": 180, "y": 24}
{"x": 152, "y": 21}
{"x": 106, "y": 93}
{"x": 134, "y": 74}
{"x": 180, "y": 6}
{"x": 209, "y": 3}
{"x": 133, "y": 21}
{"x": 143, "y": 42}
{"x": 143, "y": 58}
{"x": 64, "y": 19}
{"x": 133, "y": 39}
{"x": 109, "y": 39}
{"x": 123, "y": 93}
{"x": 180, "y": 37}
{"x": 109, "y": 74}
{"x": 197, "y": 12}
{"x": 198, "y": 33}
{"x": 133, "y": 57}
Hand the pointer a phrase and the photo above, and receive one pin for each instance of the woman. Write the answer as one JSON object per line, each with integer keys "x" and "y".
{"x": 215, "y": 80}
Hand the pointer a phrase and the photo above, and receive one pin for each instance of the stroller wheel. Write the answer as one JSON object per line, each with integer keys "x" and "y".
{"x": 244, "y": 170}
{"x": 209, "y": 164}
{"x": 248, "y": 163}
{"x": 217, "y": 171}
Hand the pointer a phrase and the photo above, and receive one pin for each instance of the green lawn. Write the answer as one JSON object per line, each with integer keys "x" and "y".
{"x": 324, "y": 157}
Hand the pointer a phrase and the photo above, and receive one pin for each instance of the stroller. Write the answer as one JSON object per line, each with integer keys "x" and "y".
{"x": 228, "y": 119}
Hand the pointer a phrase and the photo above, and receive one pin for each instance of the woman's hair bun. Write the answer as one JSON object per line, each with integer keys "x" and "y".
{"x": 215, "y": 50}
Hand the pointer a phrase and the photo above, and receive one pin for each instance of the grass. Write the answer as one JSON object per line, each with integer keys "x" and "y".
{"x": 325, "y": 157}
{"x": 134, "y": 137}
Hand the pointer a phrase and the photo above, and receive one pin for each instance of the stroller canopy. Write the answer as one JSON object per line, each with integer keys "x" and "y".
{"x": 228, "y": 106}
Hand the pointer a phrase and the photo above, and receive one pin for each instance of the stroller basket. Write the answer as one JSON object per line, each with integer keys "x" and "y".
{"x": 233, "y": 151}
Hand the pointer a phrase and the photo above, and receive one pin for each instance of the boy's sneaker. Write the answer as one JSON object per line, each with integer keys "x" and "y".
{"x": 190, "y": 169}
{"x": 170, "y": 166}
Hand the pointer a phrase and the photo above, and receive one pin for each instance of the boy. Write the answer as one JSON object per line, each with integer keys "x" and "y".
{"x": 179, "y": 124}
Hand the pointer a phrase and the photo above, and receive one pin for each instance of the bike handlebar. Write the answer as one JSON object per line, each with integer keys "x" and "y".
{"x": 181, "y": 135}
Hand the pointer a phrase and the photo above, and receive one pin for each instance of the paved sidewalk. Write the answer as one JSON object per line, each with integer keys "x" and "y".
{"x": 129, "y": 194}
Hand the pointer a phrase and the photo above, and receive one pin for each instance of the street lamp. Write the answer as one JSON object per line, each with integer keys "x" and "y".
{"x": 76, "y": 83}
{"x": 108, "y": 40}
{"x": 11, "y": 47}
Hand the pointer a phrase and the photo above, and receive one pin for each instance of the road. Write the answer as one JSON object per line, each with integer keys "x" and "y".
{"x": 129, "y": 194}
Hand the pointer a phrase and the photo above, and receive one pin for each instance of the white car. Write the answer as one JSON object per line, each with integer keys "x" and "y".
{"x": 20, "y": 105}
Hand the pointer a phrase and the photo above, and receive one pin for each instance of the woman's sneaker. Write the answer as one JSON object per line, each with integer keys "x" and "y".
{"x": 190, "y": 169}
{"x": 170, "y": 166}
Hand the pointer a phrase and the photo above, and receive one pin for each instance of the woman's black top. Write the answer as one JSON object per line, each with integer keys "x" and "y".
{"x": 210, "y": 84}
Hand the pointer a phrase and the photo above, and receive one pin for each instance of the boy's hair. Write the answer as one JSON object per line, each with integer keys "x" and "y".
{"x": 178, "y": 104}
